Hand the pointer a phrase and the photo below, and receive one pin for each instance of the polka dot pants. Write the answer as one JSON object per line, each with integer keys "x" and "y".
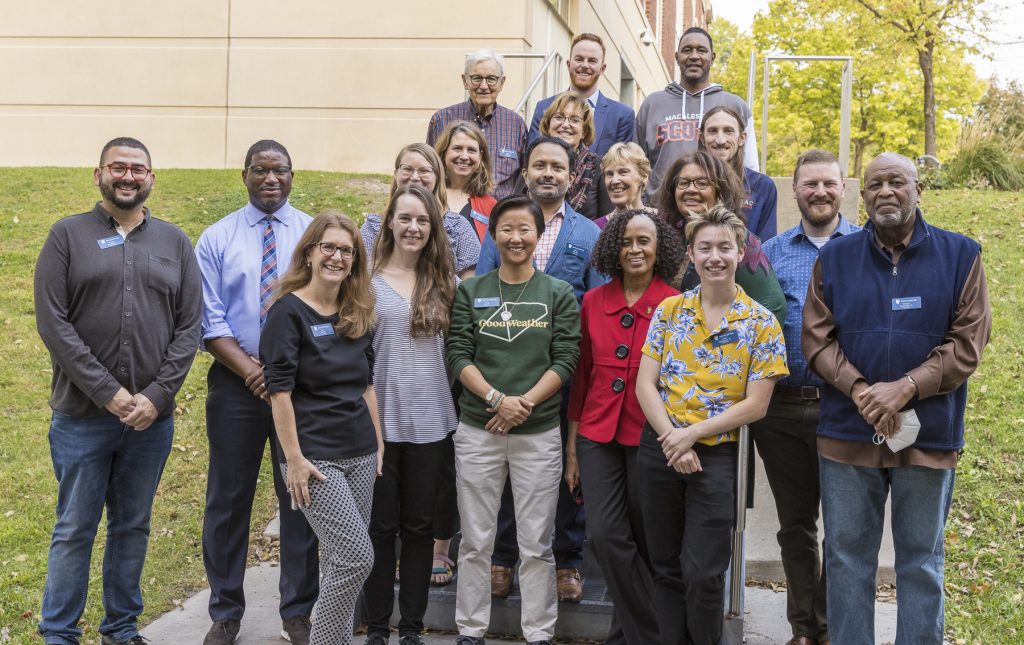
{"x": 339, "y": 513}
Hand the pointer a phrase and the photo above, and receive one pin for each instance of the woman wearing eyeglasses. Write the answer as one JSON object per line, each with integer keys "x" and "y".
{"x": 317, "y": 353}
{"x": 414, "y": 282}
{"x": 709, "y": 366}
{"x": 417, "y": 163}
{"x": 467, "y": 165}
{"x": 570, "y": 118}
{"x": 695, "y": 183}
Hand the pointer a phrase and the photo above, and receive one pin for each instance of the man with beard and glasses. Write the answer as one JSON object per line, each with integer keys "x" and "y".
{"x": 668, "y": 122}
{"x": 896, "y": 319}
{"x": 563, "y": 251}
{"x": 613, "y": 121}
{"x": 786, "y": 437}
{"x": 118, "y": 304}
{"x": 241, "y": 258}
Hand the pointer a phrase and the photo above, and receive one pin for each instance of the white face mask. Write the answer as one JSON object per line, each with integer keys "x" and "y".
{"x": 910, "y": 425}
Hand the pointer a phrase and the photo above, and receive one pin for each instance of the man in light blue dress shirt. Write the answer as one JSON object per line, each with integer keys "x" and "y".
{"x": 786, "y": 437}
{"x": 241, "y": 257}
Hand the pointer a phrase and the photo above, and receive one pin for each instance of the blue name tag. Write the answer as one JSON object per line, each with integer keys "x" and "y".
{"x": 725, "y": 338}
{"x": 572, "y": 249}
{"x": 483, "y": 303}
{"x": 900, "y": 304}
{"x": 508, "y": 153}
{"x": 113, "y": 240}
{"x": 480, "y": 217}
{"x": 325, "y": 329}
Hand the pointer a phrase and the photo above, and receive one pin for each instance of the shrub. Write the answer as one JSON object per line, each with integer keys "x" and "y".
{"x": 987, "y": 158}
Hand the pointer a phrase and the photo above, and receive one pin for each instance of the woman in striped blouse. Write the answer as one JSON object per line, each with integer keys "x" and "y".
{"x": 413, "y": 279}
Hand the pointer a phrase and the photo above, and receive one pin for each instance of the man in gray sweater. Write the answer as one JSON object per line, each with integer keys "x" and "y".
{"x": 118, "y": 304}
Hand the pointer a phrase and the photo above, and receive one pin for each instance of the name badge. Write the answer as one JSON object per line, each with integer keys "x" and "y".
{"x": 107, "y": 242}
{"x": 325, "y": 329}
{"x": 901, "y": 304}
{"x": 572, "y": 249}
{"x": 508, "y": 153}
{"x": 480, "y": 217}
{"x": 484, "y": 303}
{"x": 725, "y": 338}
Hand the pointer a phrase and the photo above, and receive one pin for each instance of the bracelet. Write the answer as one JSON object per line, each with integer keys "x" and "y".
{"x": 490, "y": 395}
{"x": 497, "y": 403}
{"x": 910, "y": 378}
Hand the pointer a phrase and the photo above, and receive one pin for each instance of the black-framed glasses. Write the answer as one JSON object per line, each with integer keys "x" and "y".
{"x": 700, "y": 183}
{"x": 328, "y": 249}
{"x": 119, "y": 170}
{"x": 259, "y": 172}
{"x": 476, "y": 79}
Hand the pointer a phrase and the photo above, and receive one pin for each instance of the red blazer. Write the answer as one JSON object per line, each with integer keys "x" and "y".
{"x": 481, "y": 206}
{"x": 603, "y": 413}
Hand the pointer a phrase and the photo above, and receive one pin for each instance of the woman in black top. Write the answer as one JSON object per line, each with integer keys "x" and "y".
{"x": 318, "y": 365}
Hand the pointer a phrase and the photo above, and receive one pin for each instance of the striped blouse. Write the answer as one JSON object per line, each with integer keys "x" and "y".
{"x": 409, "y": 375}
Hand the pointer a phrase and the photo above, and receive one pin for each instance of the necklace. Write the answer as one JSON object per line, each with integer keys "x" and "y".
{"x": 506, "y": 314}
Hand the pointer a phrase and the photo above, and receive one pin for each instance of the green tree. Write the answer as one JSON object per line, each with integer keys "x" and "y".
{"x": 1004, "y": 105}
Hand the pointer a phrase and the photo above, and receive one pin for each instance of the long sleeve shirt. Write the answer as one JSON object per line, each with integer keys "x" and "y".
{"x": 117, "y": 311}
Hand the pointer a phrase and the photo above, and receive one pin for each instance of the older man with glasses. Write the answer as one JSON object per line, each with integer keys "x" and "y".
{"x": 241, "y": 258}
{"x": 504, "y": 130}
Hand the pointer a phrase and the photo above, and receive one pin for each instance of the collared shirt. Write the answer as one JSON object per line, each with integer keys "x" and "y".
{"x": 593, "y": 99}
{"x": 505, "y": 132}
{"x": 230, "y": 256}
{"x": 792, "y": 256}
{"x": 704, "y": 370}
{"x": 546, "y": 241}
{"x": 117, "y": 311}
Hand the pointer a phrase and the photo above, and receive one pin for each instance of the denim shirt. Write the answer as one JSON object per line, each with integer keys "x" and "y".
{"x": 570, "y": 258}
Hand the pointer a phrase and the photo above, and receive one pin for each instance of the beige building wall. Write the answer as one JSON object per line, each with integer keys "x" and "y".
{"x": 342, "y": 84}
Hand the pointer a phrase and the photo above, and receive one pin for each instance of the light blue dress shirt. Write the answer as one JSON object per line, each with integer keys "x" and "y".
{"x": 230, "y": 255}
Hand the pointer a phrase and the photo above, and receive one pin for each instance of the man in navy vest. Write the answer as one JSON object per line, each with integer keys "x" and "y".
{"x": 613, "y": 121}
{"x": 896, "y": 319}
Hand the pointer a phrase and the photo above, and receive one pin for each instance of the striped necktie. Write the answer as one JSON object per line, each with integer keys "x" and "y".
{"x": 268, "y": 270}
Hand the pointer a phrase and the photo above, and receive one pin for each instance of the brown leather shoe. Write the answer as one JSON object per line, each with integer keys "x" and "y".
{"x": 570, "y": 585}
{"x": 801, "y": 640}
{"x": 501, "y": 581}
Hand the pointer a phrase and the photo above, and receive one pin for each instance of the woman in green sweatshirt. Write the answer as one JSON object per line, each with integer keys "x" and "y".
{"x": 513, "y": 343}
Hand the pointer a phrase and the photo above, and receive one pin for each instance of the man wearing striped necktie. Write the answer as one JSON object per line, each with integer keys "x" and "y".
{"x": 242, "y": 257}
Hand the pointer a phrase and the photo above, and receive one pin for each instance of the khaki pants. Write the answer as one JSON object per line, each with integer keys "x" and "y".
{"x": 533, "y": 462}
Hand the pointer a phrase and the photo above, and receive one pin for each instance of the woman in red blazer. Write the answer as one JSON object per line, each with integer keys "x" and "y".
{"x": 641, "y": 253}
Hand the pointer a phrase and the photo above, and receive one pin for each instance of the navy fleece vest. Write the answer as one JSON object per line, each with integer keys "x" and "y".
{"x": 860, "y": 283}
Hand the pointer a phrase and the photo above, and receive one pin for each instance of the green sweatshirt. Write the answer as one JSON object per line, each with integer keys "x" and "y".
{"x": 513, "y": 337}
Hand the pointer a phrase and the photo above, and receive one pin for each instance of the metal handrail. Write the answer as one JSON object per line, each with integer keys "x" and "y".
{"x": 552, "y": 57}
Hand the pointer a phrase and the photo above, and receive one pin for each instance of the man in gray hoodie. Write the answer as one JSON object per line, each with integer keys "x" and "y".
{"x": 668, "y": 122}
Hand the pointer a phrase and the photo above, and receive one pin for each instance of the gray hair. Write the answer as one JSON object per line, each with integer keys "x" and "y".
{"x": 482, "y": 55}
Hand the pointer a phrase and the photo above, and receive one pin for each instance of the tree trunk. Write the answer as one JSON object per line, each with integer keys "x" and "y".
{"x": 924, "y": 59}
{"x": 858, "y": 157}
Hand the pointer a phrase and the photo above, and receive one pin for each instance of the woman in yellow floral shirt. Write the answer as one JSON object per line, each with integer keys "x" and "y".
{"x": 709, "y": 366}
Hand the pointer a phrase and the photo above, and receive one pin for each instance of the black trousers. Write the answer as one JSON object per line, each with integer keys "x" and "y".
{"x": 403, "y": 506}
{"x": 446, "y": 504}
{"x": 238, "y": 426}
{"x": 610, "y": 477}
{"x": 787, "y": 441}
{"x": 689, "y": 521}
{"x": 570, "y": 518}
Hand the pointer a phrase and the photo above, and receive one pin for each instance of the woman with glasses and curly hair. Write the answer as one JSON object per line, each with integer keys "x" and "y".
{"x": 641, "y": 253}
{"x": 317, "y": 353}
{"x": 695, "y": 183}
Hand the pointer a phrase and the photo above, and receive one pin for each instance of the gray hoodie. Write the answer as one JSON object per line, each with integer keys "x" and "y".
{"x": 668, "y": 126}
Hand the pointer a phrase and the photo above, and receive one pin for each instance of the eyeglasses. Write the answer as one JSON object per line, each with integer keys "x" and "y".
{"x": 408, "y": 171}
{"x": 259, "y": 172}
{"x": 560, "y": 118}
{"x": 118, "y": 170}
{"x": 476, "y": 79}
{"x": 700, "y": 183}
{"x": 328, "y": 249}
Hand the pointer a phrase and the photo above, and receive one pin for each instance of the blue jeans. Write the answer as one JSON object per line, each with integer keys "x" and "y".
{"x": 853, "y": 507}
{"x": 100, "y": 462}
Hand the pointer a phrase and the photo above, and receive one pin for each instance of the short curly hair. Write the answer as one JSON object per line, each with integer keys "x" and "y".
{"x": 670, "y": 252}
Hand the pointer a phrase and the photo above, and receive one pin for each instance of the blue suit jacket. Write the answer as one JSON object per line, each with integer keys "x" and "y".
{"x": 570, "y": 258}
{"x": 613, "y": 123}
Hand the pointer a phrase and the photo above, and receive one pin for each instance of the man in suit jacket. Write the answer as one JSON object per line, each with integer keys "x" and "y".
{"x": 613, "y": 121}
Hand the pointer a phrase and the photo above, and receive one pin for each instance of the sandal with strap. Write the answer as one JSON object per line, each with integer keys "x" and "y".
{"x": 441, "y": 576}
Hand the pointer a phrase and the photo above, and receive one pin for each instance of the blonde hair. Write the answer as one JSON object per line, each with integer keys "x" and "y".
{"x": 558, "y": 105}
{"x": 627, "y": 154}
{"x": 717, "y": 215}
{"x": 355, "y": 298}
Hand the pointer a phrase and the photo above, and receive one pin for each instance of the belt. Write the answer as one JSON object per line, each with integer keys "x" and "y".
{"x": 805, "y": 392}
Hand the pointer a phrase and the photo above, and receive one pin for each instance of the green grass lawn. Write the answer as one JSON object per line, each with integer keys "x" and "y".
{"x": 985, "y": 553}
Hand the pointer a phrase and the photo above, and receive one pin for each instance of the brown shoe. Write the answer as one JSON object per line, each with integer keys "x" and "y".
{"x": 801, "y": 640}
{"x": 501, "y": 581}
{"x": 570, "y": 585}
